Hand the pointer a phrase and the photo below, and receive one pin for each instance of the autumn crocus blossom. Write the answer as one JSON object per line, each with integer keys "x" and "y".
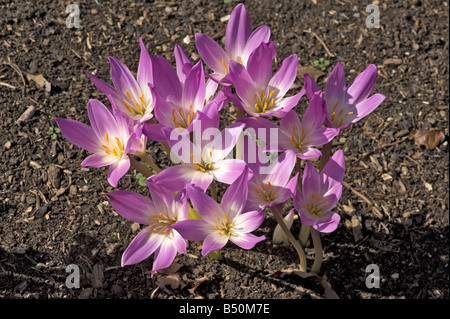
{"x": 163, "y": 211}
{"x": 224, "y": 222}
{"x": 261, "y": 93}
{"x": 302, "y": 136}
{"x": 202, "y": 162}
{"x": 180, "y": 96}
{"x": 320, "y": 193}
{"x": 134, "y": 97}
{"x": 240, "y": 42}
{"x": 346, "y": 105}
{"x": 110, "y": 139}
{"x": 271, "y": 184}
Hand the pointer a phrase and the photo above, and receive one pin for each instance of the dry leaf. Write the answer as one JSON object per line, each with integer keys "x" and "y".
{"x": 174, "y": 281}
{"x": 170, "y": 276}
{"x": 430, "y": 139}
{"x": 312, "y": 71}
{"x": 196, "y": 283}
{"x": 40, "y": 81}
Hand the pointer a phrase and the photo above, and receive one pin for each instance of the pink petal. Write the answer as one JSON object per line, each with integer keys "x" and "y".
{"x": 260, "y": 35}
{"x": 211, "y": 52}
{"x": 285, "y": 75}
{"x": 329, "y": 225}
{"x": 141, "y": 247}
{"x": 79, "y": 134}
{"x": 247, "y": 241}
{"x": 214, "y": 241}
{"x": 117, "y": 170}
{"x": 360, "y": 88}
{"x": 238, "y": 31}
{"x": 132, "y": 206}
{"x": 164, "y": 255}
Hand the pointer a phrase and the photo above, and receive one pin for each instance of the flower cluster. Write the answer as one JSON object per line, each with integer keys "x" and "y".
{"x": 181, "y": 108}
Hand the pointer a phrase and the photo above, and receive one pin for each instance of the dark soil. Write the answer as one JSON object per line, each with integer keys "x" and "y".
{"x": 52, "y": 212}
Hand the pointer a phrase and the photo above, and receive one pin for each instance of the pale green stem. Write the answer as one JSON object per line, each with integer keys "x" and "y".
{"x": 298, "y": 247}
{"x": 315, "y": 235}
{"x": 140, "y": 168}
{"x": 303, "y": 236}
{"x": 318, "y": 251}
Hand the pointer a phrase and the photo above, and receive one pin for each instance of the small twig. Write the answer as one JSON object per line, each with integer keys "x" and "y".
{"x": 354, "y": 191}
{"x": 321, "y": 42}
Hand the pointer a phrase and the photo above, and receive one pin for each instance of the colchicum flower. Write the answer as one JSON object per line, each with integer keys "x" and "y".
{"x": 109, "y": 139}
{"x": 133, "y": 97}
{"x": 271, "y": 184}
{"x": 202, "y": 162}
{"x": 320, "y": 193}
{"x": 160, "y": 213}
{"x": 224, "y": 222}
{"x": 292, "y": 134}
{"x": 179, "y": 96}
{"x": 261, "y": 93}
{"x": 240, "y": 42}
{"x": 346, "y": 105}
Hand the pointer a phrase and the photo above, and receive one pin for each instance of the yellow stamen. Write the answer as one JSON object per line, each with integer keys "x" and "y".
{"x": 313, "y": 195}
{"x": 292, "y": 139}
{"x": 349, "y": 113}
{"x": 240, "y": 60}
{"x": 128, "y": 108}
{"x": 115, "y": 152}
{"x": 224, "y": 64}
{"x": 226, "y": 218}
{"x": 256, "y": 190}
{"x": 107, "y": 137}
{"x": 270, "y": 185}
{"x": 119, "y": 144}
{"x": 139, "y": 108}
{"x": 128, "y": 94}
{"x": 271, "y": 93}
{"x": 263, "y": 187}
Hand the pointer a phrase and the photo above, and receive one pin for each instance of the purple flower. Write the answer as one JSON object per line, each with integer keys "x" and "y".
{"x": 181, "y": 95}
{"x": 164, "y": 211}
{"x": 240, "y": 42}
{"x": 134, "y": 97}
{"x": 320, "y": 193}
{"x": 292, "y": 134}
{"x": 346, "y": 105}
{"x": 204, "y": 161}
{"x": 109, "y": 139}
{"x": 224, "y": 222}
{"x": 271, "y": 184}
{"x": 261, "y": 93}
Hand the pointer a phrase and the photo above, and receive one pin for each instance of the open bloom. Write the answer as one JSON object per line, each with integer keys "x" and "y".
{"x": 261, "y": 93}
{"x": 224, "y": 222}
{"x": 271, "y": 183}
{"x": 203, "y": 161}
{"x": 163, "y": 211}
{"x": 110, "y": 139}
{"x": 180, "y": 96}
{"x": 320, "y": 193}
{"x": 134, "y": 97}
{"x": 346, "y": 105}
{"x": 240, "y": 42}
{"x": 292, "y": 134}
